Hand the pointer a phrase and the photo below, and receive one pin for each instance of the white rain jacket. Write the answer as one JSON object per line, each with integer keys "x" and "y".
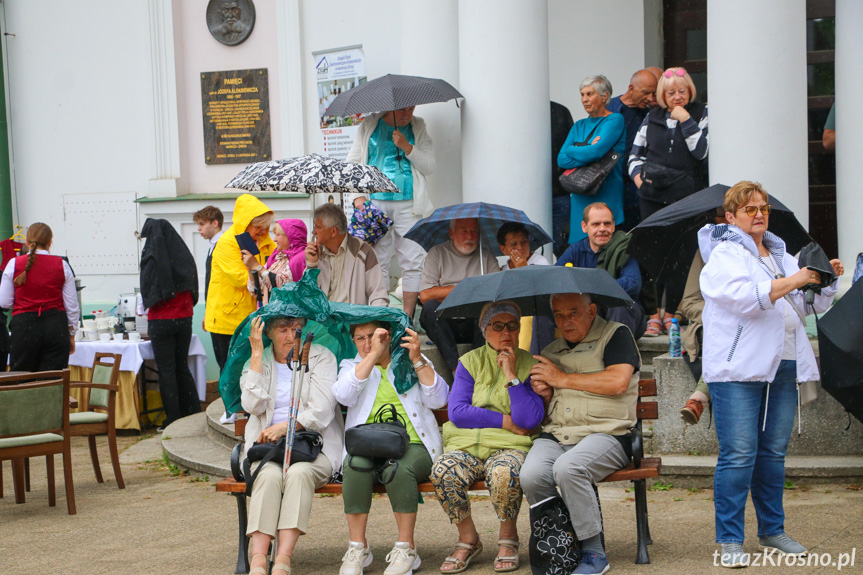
{"x": 744, "y": 333}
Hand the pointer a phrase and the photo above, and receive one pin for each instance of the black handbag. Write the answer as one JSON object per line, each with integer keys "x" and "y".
{"x": 307, "y": 447}
{"x": 377, "y": 446}
{"x": 587, "y": 180}
{"x": 385, "y": 438}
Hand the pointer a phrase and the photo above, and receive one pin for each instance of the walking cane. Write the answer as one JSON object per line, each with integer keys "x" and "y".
{"x": 294, "y": 362}
{"x": 258, "y": 295}
{"x": 303, "y": 369}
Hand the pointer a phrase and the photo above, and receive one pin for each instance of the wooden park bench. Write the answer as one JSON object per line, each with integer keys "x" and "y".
{"x": 639, "y": 471}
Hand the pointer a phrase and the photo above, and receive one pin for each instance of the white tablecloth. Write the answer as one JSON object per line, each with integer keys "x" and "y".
{"x": 134, "y": 353}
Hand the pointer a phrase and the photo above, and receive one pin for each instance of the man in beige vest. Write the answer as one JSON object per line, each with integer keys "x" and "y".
{"x": 589, "y": 381}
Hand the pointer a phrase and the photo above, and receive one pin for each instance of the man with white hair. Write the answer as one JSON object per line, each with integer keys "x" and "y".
{"x": 350, "y": 272}
{"x": 589, "y": 378}
{"x": 445, "y": 265}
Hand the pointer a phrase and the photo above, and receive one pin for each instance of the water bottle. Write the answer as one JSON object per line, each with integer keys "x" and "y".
{"x": 675, "y": 348}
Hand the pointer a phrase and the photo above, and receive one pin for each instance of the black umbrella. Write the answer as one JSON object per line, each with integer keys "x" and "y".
{"x": 391, "y": 92}
{"x": 814, "y": 258}
{"x": 665, "y": 243}
{"x": 530, "y": 287}
{"x": 840, "y": 344}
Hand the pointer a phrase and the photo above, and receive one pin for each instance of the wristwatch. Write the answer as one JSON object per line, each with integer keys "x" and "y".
{"x": 515, "y": 381}
{"x": 421, "y": 363}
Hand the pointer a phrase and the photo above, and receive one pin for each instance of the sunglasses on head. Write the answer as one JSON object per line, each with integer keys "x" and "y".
{"x": 510, "y": 325}
{"x": 676, "y": 72}
{"x": 752, "y": 210}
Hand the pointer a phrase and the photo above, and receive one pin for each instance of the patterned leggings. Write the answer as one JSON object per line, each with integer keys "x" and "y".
{"x": 455, "y": 471}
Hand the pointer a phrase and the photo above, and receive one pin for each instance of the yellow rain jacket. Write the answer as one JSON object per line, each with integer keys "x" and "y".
{"x": 228, "y": 299}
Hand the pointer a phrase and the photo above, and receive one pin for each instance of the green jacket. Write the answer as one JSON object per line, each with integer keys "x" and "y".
{"x": 613, "y": 256}
{"x": 489, "y": 392}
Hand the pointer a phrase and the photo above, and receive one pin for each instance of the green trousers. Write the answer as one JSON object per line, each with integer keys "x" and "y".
{"x": 414, "y": 467}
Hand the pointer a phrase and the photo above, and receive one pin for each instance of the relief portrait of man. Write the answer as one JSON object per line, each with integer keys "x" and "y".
{"x": 231, "y": 21}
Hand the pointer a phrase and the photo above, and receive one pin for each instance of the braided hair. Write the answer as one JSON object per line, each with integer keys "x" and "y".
{"x": 39, "y": 236}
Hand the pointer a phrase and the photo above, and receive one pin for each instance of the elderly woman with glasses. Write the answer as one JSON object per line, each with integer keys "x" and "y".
{"x": 668, "y": 162}
{"x": 492, "y": 412}
{"x": 756, "y": 357}
{"x": 588, "y": 141}
{"x": 365, "y": 385}
{"x": 282, "y": 502}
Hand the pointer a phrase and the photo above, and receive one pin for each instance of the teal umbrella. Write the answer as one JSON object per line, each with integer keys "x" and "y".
{"x": 329, "y": 321}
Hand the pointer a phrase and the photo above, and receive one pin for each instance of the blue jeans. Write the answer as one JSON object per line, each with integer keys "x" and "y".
{"x": 752, "y": 460}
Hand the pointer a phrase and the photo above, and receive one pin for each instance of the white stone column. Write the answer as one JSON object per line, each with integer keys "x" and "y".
{"x": 849, "y": 123}
{"x": 429, "y": 48}
{"x": 166, "y": 132}
{"x": 506, "y": 137}
{"x": 291, "y": 85}
{"x": 757, "y": 107}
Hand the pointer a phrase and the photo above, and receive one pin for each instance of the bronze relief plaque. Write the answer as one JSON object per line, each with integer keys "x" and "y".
{"x": 236, "y": 111}
{"x": 231, "y": 21}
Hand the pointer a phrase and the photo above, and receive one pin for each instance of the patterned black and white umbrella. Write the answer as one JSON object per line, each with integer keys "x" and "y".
{"x": 391, "y": 92}
{"x": 312, "y": 174}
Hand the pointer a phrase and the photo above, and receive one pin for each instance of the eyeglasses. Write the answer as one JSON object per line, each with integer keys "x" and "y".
{"x": 360, "y": 339}
{"x": 677, "y": 72}
{"x": 752, "y": 210}
{"x": 510, "y": 325}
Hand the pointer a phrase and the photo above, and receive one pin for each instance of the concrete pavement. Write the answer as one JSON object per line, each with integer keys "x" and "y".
{"x": 164, "y": 524}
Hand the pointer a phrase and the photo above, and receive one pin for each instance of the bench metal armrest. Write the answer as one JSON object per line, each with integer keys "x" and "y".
{"x": 637, "y": 445}
{"x": 236, "y": 467}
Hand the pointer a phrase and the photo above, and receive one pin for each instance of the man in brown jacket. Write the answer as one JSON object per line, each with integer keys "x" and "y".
{"x": 350, "y": 272}
{"x": 589, "y": 381}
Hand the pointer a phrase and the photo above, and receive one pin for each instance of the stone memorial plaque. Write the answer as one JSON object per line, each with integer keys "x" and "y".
{"x": 236, "y": 111}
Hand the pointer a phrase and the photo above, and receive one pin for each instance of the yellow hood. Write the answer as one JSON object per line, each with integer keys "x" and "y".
{"x": 228, "y": 298}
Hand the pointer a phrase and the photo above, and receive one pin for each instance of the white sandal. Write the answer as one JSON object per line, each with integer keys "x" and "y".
{"x": 462, "y": 564}
{"x": 512, "y": 544}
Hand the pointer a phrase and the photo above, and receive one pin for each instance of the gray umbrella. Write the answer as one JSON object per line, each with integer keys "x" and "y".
{"x": 530, "y": 287}
{"x": 391, "y": 92}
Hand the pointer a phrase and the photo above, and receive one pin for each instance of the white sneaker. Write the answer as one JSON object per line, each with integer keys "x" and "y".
{"x": 402, "y": 560}
{"x": 356, "y": 558}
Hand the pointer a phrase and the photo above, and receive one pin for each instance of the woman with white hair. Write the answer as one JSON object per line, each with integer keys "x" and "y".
{"x": 588, "y": 141}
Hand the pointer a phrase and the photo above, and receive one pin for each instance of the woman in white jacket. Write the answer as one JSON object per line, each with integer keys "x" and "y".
{"x": 755, "y": 353}
{"x": 365, "y": 383}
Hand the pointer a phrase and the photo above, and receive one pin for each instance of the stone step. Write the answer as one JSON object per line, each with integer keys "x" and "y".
{"x": 688, "y": 471}
{"x": 222, "y": 433}
{"x": 189, "y": 446}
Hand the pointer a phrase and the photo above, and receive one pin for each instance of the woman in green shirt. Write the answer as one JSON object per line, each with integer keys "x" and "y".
{"x": 363, "y": 386}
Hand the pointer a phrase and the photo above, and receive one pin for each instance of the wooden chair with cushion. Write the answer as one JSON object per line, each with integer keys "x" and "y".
{"x": 13, "y": 378}
{"x": 34, "y": 421}
{"x": 98, "y": 418}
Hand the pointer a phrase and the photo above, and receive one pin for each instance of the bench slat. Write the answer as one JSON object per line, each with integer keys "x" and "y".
{"x": 647, "y": 410}
{"x": 647, "y": 388}
{"x": 650, "y": 467}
